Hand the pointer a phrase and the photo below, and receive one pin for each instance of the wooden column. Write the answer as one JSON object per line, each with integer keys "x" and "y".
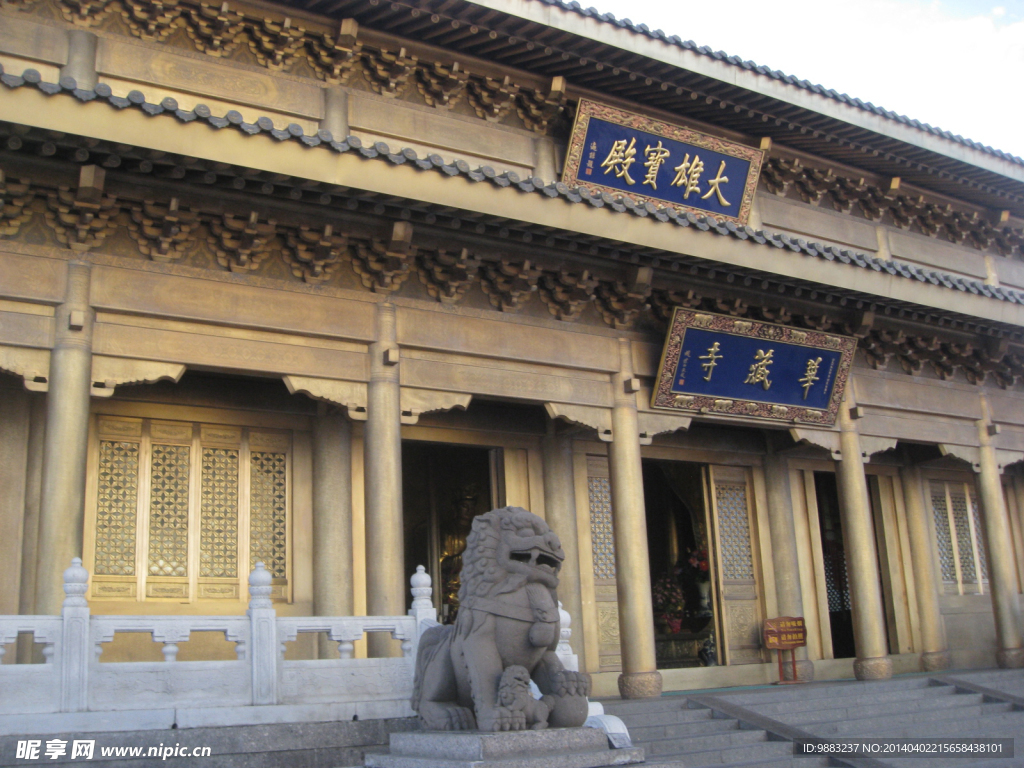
{"x": 934, "y": 649}
{"x": 999, "y": 546}
{"x": 873, "y": 662}
{"x": 784, "y": 551}
{"x": 14, "y": 437}
{"x": 385, "y": 540}
{"x": 640, "y": 677}
{"x": 332, "y": 520}
{"x": 62, "y": 502}
{"x": 27, "y": 649}
{"x": 560, "y": 511}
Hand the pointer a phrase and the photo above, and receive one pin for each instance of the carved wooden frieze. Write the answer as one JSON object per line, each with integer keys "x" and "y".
{"x": 448, "y": 274}
{"x": 163, "y": 232}
{"x": 85, "y": 12}
{"x": 509, "y": 285}
{"x": 314, "y": 254}
{"x": 151, "y": 19}
{"x": 491, "y": 98}
{"x": 78, "y": 223}
{"x": 383, "y": 266}
{"x": 621, "y": 301}
{"x": 15, "y": 197}
{"x": 567, "y": 293}
{"x": 538, "y": 109}
{"x": 388, "y": 73}
{"x": 241, "y": 243}
{"x": 335, "y": 57}
{"x": 216, "y": 30}
{"x": 442, "y": 86}
{"x": 823, "y": 187}
{"x": 276, "y": 44}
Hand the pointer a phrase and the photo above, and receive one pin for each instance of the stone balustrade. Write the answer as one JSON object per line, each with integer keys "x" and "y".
{"x": 74, "y": 681}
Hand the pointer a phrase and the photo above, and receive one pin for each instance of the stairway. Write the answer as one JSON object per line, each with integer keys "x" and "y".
{"x": 756, "y": 726}
{"x": 677, "y": 731}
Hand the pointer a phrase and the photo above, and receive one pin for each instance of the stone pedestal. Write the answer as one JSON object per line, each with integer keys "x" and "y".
{"x": 551, "y": 748}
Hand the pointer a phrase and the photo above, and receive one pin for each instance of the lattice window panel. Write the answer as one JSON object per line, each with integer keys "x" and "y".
{"x": 963, "y": 537}
{"x": 268, "y": 508}
{"x": 218, "y": 537}
{"x": 837, "y": 577}
{"x": 168, "y": 510}
{"x": 734, "y": 531}
{"x": 116, "y": 508}
{"x": 600, "y": 493}
{"x": 979, "y": 537}
{"x": 945, "y": 540}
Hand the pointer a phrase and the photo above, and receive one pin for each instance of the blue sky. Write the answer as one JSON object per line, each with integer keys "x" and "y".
{"x": 956, "y": 64}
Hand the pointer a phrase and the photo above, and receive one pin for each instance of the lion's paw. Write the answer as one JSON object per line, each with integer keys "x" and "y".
{"x": 502, "y": 719}
{"x": 445, "y": 716}
{"x": 567, "y": 683}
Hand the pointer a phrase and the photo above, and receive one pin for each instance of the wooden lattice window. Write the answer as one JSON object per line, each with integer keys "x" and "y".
{"x": 958, "y": 534}
{"x": 183, "y": 510}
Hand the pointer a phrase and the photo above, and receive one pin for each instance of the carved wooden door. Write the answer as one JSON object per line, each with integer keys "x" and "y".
{"x": 738, "y": 593}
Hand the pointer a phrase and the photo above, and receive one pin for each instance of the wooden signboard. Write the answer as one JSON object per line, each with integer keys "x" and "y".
{"x": 621, "y": 153}
{"x": 727, "y": 366}
{"x": 785, "y": 633}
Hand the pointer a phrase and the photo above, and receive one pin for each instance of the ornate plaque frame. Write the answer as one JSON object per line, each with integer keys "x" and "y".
{"x": 574, "y": 160}
{"x": 666, "y": 398}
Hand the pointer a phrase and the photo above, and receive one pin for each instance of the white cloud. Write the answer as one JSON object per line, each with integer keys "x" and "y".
{"x": 955, "y": 68}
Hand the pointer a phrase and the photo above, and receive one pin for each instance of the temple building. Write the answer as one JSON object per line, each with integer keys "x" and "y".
{"x": 313, "y": 283}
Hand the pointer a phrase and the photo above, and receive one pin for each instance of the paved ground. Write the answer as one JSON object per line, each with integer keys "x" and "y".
{"x": 720, "y": 728}
{"x": 757, "y": 726}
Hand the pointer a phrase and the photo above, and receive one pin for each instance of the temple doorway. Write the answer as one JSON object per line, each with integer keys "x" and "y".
{"x": 444, "y": 486}
{"x": 833, "y": 554}
{"x": 681, "y": 571}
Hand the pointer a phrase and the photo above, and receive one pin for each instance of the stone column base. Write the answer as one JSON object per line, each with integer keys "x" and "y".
{"x": 1007, "y": 658}
{"x": 877, "y": 668}
{"x": 640, "y": 685}
{"x": 804, "y": 670}
{"x": 936, "y": 661}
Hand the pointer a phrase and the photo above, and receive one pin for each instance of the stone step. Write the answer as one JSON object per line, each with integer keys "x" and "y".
{"x": 861, "y": 699}
{"x": 285, "y": 745}
{"x": 1010, "y": 688}
{"x": 664, "y": 717}
{"x": 643, "y": 733}
{"x": 988, "y": 762}
{"x": 690, "y": 744}
{"x": 991, "y": 674}
{"x": 999, "y": 725}
{"x": 758, "y": 753}
{"x": 629, "y": 706}
{"x": 825, "y": 690}
{"x": 868, "y": 726}
{"x": 838, "y": 712}
{"x": 785, "y": 761}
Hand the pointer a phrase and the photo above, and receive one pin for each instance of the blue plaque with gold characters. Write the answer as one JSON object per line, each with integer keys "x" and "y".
{"x": 728, "y": 366}
{"x": 620, "y": 152}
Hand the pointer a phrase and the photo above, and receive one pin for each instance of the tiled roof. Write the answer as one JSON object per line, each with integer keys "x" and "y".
{"x": 509, "y": 179}
{"x": 657, "y": 34}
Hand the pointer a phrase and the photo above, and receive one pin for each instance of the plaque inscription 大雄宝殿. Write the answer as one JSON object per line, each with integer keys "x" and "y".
{"x": 721, "y": 365}
{"x": 613, "y": 151}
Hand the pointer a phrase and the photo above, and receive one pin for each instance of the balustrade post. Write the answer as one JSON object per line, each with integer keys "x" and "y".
{"x": 564, "y": 650}
{"x": 75, "y": 637}
{"x": 264, "y": 649}
{"x": 422, "y": 606}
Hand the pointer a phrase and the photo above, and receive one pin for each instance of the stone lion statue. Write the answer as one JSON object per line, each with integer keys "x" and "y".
{"x": 475, "y": 674}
